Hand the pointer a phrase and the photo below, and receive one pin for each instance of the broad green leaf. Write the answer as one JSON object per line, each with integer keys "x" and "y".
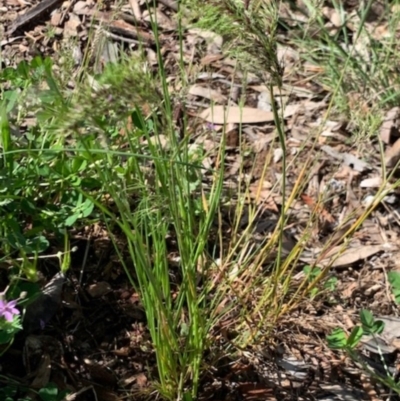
{"x": 367, "y": 319}
{"x": 331, "y": 284}
{"x": 378, "y": 327}
{"x": 6, "y": 336}
{"x": 355, "y": 337}
{"x": 70, "y": 221}
{"x": 49, "y": 393}
{"x": 394, "y": 280}
{"x": 12, "y": 97}
{"x": 337, "y": 339}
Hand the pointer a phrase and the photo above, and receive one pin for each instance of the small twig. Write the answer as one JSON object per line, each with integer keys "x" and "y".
{"x": 57, "y": 255}
{"x": 120, "y": 38}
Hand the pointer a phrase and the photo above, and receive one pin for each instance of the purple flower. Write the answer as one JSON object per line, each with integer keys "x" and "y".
{"x": 8, "y": 309}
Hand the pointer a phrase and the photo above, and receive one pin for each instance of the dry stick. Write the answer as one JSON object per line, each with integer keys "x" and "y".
{"x": 32, "y": 14}
{"x": 121, "y": 27}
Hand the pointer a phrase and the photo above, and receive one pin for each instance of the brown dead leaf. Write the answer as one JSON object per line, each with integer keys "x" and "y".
{"x": 213, "y": 40}
{"x": 141, "y": 380}
{"x": 99, "y": 289}
{"x": 350, "y": 160}
{"x": 208, "y": 93}
{"x": 287, "y": 56}
{"x": 123, "y": 351}
{"x": 43, "y": 372}
{"x": 232, "y": 138}
{"x": 249, "y": 115}
{"x": 343, "y": 392}
{"x": 264, "y": 101}
{"x": 224, "y": 115}
{"x": 136, "y": 9}
{"x": 256, "y": 391}
{"x": 72, "y": 25}
{"x": 278, "y": 154}
{"x": 103, "y": 394}
{"x": 235, "y": 167}
{"x": 390, "y": 125}
{"x": 56, "y": 18}
{"x": 100, "y": 373}
{"x": 352, "y": 255}
{"x": 372, "y": 182}
{"x": 334, "y": 16}
{"x": 354, "y": 162}
{"x": 322, "y": 213}
{"x": 396, "y": 343}
{"x": 343, "y": 173}
{"x": 349, "y": 290}
{"x": 259, "y": 163}
{"x": 211, "y": 58}
{"x": 261, "y": 193}
{"x": 357, "y": 101}
{"x": 81, "y": 7}
{"x": 313, "y": 68}
{"x": 160, "y": 140}
{"x": 160, "y": 18}
{"x": 392, "y": 154}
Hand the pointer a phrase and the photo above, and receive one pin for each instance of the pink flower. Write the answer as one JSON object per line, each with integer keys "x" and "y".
{"x": 8, "y": 309}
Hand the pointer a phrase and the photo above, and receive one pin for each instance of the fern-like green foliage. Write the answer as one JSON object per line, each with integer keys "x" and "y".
{"x": 248, "y": 28}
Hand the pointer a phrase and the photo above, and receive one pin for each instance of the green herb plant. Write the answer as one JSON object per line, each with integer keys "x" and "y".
{"x": 339, "y": 340}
